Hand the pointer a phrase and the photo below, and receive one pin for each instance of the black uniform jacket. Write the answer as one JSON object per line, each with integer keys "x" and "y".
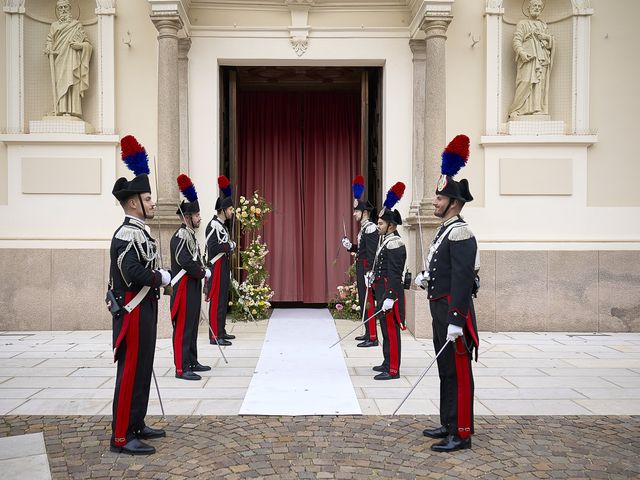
{"x": 452, "y": 273}
{"x": 133, "y": 266}
{"x": 367, "y": 245}
{"x": 388, "y": 273}
{"x": 185, "y": 254}
{"x": 218, "y": 241}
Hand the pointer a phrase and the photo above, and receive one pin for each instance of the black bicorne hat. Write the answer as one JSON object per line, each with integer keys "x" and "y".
{"x": 188, "y": 189}
{"x": 135, "y": 158}
{"x": 225, "y": 200}
{"x": 454, "y": 157}
{"x": 391, "y": 216}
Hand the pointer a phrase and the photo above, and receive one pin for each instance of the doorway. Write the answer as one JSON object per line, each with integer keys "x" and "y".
{"x": 298, "y": 136}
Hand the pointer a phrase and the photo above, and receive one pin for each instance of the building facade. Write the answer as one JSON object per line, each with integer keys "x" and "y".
{"x": 556, "y": 204}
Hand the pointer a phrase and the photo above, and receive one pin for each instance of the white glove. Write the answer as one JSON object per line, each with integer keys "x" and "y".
{"x": 166, "y": 277}
{"x": 420, "y": 278}
{"x": 207, "y": 274}
{"x": 368, "y": 279}
{"x": 453, "y": 332}
{"x": 387, "y": 304}
{"x": 232, "y": 245}
{"x": 346, "y": 243}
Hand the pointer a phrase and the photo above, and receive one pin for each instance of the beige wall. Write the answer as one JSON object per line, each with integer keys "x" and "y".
{"x": 466, "y": 88}
{"x": 3, "y": 112}
{"x": 614, "y": 169}
{"x": 136, "y": 77}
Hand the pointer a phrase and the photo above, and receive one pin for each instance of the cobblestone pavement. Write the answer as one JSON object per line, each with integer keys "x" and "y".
{"x": 345, "y": 447}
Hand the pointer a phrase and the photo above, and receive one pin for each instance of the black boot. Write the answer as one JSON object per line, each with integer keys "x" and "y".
{"x": 198, "y": 367}
{"x": 228, "y": 336}
{"x": 220, "y": 341}
{"x": 386, "y": 376}
{"x": 440, "y": 432}
{"x": 451, "y": 444}
{"x": 368, "y": 343}
{"x": 362, "y": 337}
{"x": 380, "y": 368}
{"x": 148, "y": 432}
{"x": 134, "y": 447}
{"x": 186, "y": 375}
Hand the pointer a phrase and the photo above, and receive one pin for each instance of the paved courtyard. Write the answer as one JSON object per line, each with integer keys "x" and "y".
{"x": 549, "y": 405}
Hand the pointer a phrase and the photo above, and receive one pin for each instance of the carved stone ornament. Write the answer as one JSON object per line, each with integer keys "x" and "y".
{"x": 494, "y": 4}
{"x": 105, "y": 6}
{"x": 310, "y": 3}
{"x": 299, "y": 45}
{"x": 14, "y": 6}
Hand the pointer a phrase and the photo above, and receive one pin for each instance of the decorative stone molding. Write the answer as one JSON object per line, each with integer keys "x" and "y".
{"x": 13, "y": 6}
{"x": 299, "y": 29}
{"x": 184, "y": 45}
{"x": 105, "y": 7}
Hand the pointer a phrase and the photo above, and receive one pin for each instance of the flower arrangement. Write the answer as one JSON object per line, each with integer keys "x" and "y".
{"x": 254, "y": 291}
{"x": 345, "y": 304}
{"x": 251, "y": 212}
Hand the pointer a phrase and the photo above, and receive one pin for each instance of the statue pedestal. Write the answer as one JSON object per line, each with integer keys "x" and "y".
{"x": 535, "y": 125}
{"x": 60, "y": 124}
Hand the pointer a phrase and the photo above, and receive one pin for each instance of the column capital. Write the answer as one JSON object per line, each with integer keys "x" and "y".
{"x": 184, "y": 45}
{"x": 494, "y": 7}
{"x": 13, "y": 6}
{"x": 435, "y": 25}
{"x": 105, "y": 7}
{"x": 167, "y": 25}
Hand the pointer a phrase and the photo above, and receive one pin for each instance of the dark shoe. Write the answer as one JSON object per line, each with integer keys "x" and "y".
{"x": 220, "y": 341}
{"x": 362, "y": 337}
{"x": 228, "y": 336}
{"x": 368, "y": 343}
{"x": 198, "y": 367}
{"x": 148, "y": 432}
{"x": 440, "y": 432}
{"x": 380, "y": 368}
{"x": 451, "y": 444}
{"x": 134, "y": 447}
{"x": 386, "y": 376}
{"x": 188, "y": 376}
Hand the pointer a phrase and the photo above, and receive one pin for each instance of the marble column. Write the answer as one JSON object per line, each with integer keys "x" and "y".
{"x": 429, "y": 139}
{"x": 168, "y": 115}
{"x": 435, "y": 29}
{"x": 184, "y": 45}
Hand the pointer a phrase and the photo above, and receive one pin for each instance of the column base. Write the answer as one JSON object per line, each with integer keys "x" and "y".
{"x": 418, "y": 316}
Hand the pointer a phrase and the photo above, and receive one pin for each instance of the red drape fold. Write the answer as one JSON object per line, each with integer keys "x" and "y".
{"x": 301, "y": 151}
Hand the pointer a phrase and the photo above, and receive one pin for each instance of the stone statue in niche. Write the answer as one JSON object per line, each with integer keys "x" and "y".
{"x": 534, "y": 48}
{"x": 69, "y": 53}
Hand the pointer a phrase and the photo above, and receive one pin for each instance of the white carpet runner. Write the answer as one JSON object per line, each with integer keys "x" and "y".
{"x": 297, "y": 372}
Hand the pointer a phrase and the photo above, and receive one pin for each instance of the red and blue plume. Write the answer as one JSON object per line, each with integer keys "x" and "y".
{"x": 394, "y": 195}
{"x": 225, "y": 185}
{"x": 358, "y": 187}
{"x": 455, "y": 156}
{"x": 187, "y": 188}
{"x": 134, "y": 155}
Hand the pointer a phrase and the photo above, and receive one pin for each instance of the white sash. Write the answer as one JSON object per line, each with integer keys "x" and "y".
{"x": 135, "y": 301}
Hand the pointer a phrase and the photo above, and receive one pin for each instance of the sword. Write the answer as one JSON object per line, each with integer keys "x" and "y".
{"x": 344, "y": 227}
{"x": 421, "y": 377}
{"x": 363, "y": 323}
{"x": 158, "y": 390}
{"x": 167, "y": 289}
{"x": 203, "y": 317}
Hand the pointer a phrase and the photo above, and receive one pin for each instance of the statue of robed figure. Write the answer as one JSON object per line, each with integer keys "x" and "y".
{"x": 534, "y": 48}
{"x": 69, "y": 53}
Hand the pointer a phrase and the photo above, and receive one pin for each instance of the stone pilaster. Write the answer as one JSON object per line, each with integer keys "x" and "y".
{"x": 14, "y": 12}
{"x": 184, "y": 45}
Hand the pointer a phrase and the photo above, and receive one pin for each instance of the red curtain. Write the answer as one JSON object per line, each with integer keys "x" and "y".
{"x": 301, "y": 151}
